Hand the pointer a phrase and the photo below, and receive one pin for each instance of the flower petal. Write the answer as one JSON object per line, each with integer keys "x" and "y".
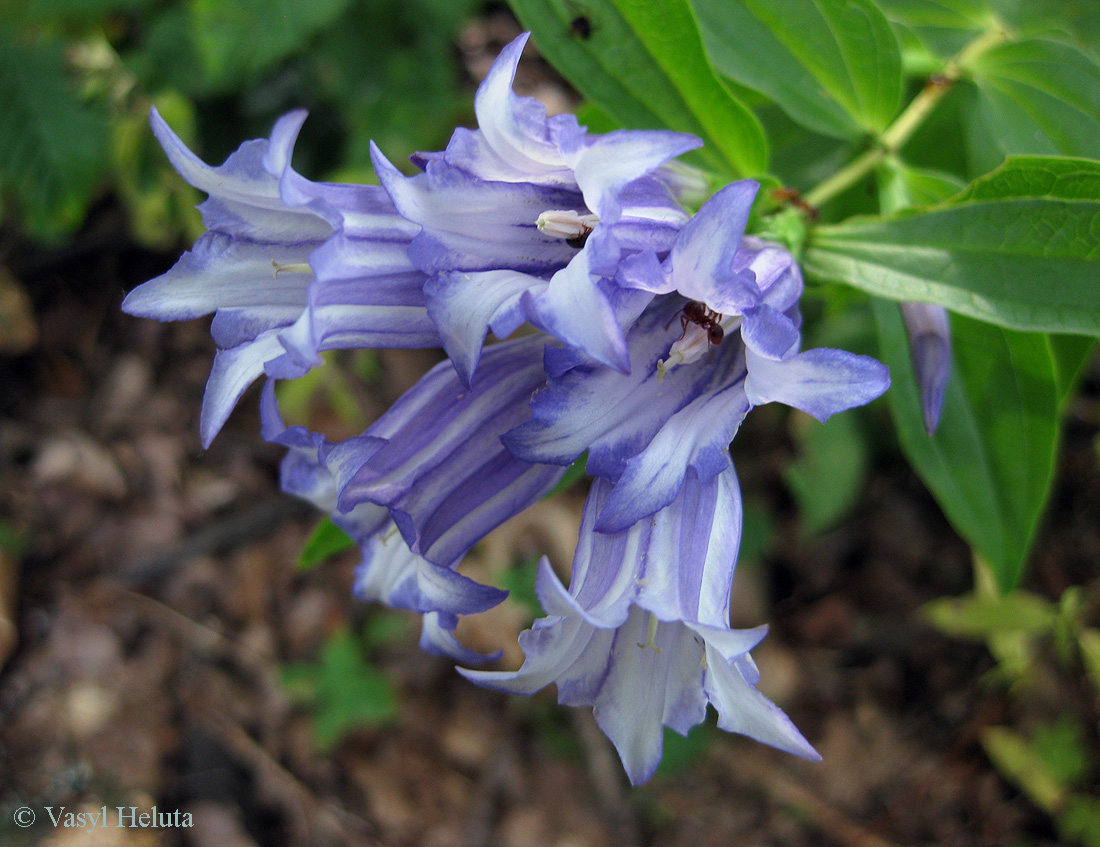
{"x": 930, "y": 352}
{"x": 696, "y": 438}
{"x": 648, "y": 689}
{"x": 562, "y": 648}
{"x": 473, "y": 225}
{"x": 743, "y": 709}
{"x": 392, "y": 574}
{"x": 233, "y": 371}
{"x": 574, "y": 310}
{"x": 437, "y": 637}
{"x": 517, "y": 128}
{"x": 703, "y": 256}
{"x": 769, "y": 333}
{"x": 444, "y": 473}
{"x": 463, "y": 305}
{"x": 245, "y": 200}
{"x": 606, "y": 166}
{"x": 690, "y": 559}
{"x": 221, "y": 272}
{"x": 819, "y": 382}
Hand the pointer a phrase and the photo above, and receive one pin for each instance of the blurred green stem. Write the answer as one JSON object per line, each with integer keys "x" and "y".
{"x": 901, "y": 130}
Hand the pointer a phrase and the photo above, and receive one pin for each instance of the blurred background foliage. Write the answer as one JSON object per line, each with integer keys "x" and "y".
{"x": 77, "y": 79}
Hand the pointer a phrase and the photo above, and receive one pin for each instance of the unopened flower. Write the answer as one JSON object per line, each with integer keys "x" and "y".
{"x": 930, "y": 351}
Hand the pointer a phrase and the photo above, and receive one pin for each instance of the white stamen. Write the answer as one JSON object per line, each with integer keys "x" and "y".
{"x": 292, "y": 268}
{"x": 694, "y": 343}
{"x": 566, "y": 224}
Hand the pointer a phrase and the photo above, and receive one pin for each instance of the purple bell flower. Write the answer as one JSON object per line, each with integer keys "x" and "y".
{"x": 521, "y": 218}
{"x": 289, "y": 267}
{"x": 389, "y": 573}
{"x": 643, "y": 636}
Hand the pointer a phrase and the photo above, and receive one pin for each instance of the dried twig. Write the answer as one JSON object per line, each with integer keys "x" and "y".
{"x": 217, "y": 538}
{"x": 9, "y": 581}
{"x": 309, "y": 814}
{"x": 783, "y": 789}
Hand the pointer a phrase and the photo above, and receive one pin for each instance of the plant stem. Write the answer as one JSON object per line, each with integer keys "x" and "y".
{"x": 901, "y": 130}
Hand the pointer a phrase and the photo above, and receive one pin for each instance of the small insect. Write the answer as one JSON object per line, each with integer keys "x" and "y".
{"x": 580, "y": 238}
{"x": 697, "y": 313}
{"x": 581, "y": 27}
{"x": 791, "y": 195}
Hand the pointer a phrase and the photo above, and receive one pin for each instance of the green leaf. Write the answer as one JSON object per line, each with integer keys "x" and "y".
{"x": 1019, "y": 248}
{"x": 1034, "y": 97}
{"x": 71, "y": 10}
{"x": 799, "y": 158}
{"x": 681, "y": 753}
{"x": 980, "y": 617}
{"x": 1089, "y": 643}
{"x": 990, "y": 463}
{"x": 392, "y": 67}
{"x": 345, "y": 690}
{"x": 1013, "y": 757}
{"x": 160, "y": 206}
{"x": 1080, "y": 820}
{"x": 944, "y": 26}
{"x": 163, "y": 54}
{"x": 901, "y": 186}
{"x": 573, "y": 473}
{"x": 831, "y": 471}
{"x": 53, "y": 143}
{"x": 1062, "y": 749}
{"x": 644, "y": 64}
{"x": 1074, "y": 20}
{"x": 237, "y": 40}
{"x": 326, "y": 540}
{"x": 832, "y": 65}
{"x": 1070, "y": 353}
{"x": 519, "y": 581}
{"x": 757, "y": 532}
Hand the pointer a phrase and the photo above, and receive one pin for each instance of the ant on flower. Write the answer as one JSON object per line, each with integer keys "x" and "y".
{"x": 697, "y": 313}
{"x": 578, "y": 240}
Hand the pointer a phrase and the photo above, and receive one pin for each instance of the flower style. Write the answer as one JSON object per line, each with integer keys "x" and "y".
{"x": 290, "y": 267}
